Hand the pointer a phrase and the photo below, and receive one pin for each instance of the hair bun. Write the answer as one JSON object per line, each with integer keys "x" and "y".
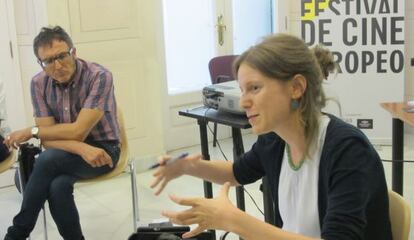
{"x": 325, "y": 59}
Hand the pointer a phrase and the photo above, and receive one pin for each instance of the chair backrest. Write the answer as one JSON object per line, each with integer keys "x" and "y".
{"x": 221, "y": 68}
{"x": 400, "y": 215}
{"x": 8, "y": 162}
{"x": 123, "y": 158}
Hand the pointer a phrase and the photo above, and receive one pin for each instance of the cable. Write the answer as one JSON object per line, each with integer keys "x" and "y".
{"x": 225, "y": 157}
{"x": 218, "y": 144}
{"x": 223, "y": 237}
{"x": 254, "y": 202}
{"x": 398, "y": 161}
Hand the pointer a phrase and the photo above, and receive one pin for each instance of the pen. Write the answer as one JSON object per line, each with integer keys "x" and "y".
{"x": 169, "y": 161}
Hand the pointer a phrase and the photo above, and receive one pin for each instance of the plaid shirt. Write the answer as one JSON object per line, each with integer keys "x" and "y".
{"x": 91, "y": 87}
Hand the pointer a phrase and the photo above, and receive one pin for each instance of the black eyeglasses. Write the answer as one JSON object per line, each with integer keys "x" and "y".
{"x": 49, "y": 62}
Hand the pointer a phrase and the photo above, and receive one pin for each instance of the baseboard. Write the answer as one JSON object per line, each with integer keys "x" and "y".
{"x": 380, "y": 141}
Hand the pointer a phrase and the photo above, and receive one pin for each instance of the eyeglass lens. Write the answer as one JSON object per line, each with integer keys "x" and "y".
{"x": 50, "y": 61}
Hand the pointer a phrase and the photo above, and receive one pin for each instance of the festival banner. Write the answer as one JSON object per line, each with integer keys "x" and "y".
{"x": 366, "y": 38}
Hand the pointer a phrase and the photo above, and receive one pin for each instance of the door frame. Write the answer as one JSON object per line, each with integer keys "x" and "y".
{"x": 12, "y": 79}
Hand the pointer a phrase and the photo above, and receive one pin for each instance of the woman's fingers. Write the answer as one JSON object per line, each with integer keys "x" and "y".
{"x": 163, "y": 159}
{"x": 164, "y": 183}
{"x": 184, "y": 201}
{"x": 186, "y": 217}
{"x": 199, "y": 229}
{"x": 155, "y": 182}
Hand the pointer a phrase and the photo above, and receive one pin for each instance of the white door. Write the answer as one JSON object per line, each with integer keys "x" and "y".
{"x": 125, "y": 37}
{"x": 192, "y": 38}
{"x": 10, "y": 77}
{"x": 9, "y": 70}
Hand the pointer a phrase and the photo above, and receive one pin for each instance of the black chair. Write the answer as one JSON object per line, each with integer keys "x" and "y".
{"x": 221, "y": 70}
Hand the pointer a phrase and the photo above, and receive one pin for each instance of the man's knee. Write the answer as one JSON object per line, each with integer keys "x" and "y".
{"x": 61, "y": 185}
{"x": 49, "y": 158}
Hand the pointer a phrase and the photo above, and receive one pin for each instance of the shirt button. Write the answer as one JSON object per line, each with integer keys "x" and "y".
{"x": 66, "y": 108}
{"x": 66, "y": 90}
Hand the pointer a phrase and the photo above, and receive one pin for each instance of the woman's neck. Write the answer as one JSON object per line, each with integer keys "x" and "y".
{"x": 293, "y": 133}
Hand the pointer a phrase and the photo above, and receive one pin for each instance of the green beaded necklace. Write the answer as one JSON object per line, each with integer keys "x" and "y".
{"x": 291, "y": 164}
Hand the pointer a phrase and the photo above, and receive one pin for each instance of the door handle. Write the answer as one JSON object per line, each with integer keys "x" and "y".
{"x": 221, "y": 27}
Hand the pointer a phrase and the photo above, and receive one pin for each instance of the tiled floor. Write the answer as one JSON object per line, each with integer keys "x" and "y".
{"x": 106, "y": 207}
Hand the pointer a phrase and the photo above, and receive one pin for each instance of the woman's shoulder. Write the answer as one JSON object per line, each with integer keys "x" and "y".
{"x": 339, "y": 130}
{"x": 343, "y": 139}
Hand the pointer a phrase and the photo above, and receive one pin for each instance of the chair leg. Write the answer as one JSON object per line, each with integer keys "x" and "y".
{"x": 20, "y": 174}
{"x": 44, "y": 223}
{"x": 134, "y": 194}
{"x": 215, "y": 135}
{"x": 43, "y": 208}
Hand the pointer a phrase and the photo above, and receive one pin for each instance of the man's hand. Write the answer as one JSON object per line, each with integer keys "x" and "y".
{"x": 96, "y": 157}
{"x": 17, "y": 137}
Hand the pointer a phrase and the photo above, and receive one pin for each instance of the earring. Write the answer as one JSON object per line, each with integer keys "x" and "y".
{"x": 294, "y": 104}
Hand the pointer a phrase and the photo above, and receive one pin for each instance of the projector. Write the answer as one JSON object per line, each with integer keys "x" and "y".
{"x": 223, "y": 97}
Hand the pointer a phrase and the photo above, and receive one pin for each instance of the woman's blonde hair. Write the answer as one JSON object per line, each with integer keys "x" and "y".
{"x": 283, "y": 56}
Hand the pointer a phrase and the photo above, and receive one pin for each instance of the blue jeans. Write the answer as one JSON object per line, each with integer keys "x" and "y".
{"x": 54, "y": 174}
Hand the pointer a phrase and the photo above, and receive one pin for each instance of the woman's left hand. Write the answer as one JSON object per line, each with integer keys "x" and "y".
{"x": 206, "y": 213}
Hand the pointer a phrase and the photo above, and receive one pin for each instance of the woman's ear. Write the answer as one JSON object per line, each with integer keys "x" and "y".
{"x": 299, "y": 84}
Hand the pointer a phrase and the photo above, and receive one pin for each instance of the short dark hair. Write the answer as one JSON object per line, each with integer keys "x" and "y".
{"x": 47, "y": 35}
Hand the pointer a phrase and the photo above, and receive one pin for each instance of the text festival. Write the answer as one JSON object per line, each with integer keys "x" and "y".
{"x": 363, "y": 23}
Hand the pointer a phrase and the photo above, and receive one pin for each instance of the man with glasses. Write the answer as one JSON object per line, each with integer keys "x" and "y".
{"x": 75, "y": 115}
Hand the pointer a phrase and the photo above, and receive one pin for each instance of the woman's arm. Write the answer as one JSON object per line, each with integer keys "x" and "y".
{"x": 216, "y": 171}
{"x": 193, "y": 165}
{"x": 220, "y": 213}
{"x": 251, "y": 228}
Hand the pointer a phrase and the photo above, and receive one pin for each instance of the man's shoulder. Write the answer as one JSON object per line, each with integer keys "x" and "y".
{"x": 93, "y": 66}
{"x": 39, "y": 77}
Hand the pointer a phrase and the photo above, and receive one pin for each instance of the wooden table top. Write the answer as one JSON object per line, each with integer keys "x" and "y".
{"x": 398, "y": 110}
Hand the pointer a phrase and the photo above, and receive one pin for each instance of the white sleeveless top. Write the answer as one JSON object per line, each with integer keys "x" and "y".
{"x": 298, "y": 191}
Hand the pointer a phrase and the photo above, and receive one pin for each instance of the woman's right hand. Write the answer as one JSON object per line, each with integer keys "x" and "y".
{"x": 166, "y": 172}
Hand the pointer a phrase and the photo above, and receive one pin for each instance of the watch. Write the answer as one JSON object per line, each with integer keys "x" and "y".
{"x": 35, "y": 132}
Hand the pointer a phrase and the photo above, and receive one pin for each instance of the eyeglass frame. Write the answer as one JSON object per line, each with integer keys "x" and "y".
{"x": 52, "y": 60}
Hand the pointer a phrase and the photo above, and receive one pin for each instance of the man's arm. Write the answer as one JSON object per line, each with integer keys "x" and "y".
{"x": 49, "y": 130}
{"x": 94, "y": 156}
{"x": 77, "y": 130}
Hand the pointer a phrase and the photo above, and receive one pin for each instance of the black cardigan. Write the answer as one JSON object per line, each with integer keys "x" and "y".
{"x": 352, "y": 191}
